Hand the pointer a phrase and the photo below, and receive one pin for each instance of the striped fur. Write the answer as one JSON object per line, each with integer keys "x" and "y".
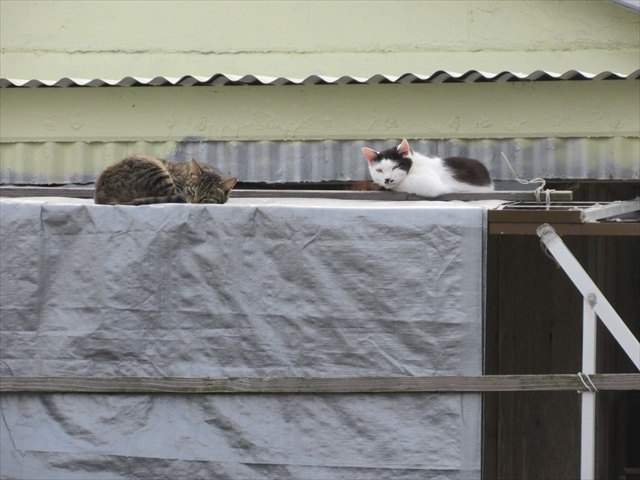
{"x": 143, "y": 179}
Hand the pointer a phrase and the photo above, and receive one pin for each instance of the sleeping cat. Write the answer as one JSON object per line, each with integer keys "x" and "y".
{"x": 403, "y": 170}
{"x": 143, "y": 179}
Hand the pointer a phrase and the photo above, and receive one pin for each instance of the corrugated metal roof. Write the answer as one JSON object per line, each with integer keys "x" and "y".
{"x": 276, "y": 162}
{"x": 440, "y": 76}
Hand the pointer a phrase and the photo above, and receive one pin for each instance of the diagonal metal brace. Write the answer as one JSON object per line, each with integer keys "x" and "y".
{"x": 594, "y": 298}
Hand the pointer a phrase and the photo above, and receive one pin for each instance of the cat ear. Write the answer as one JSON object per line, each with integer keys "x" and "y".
{"x": 228, "y": 184}
{"x": 196, "y": 170}
{"x": 404, "y": 148}
{"x": 370, "y": 154}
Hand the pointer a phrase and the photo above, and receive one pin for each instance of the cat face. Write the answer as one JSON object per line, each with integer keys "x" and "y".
{"x": 390, "y": 167}
{"x": 204, "y": 186}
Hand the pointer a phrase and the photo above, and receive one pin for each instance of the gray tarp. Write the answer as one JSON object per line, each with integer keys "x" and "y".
{"x": 253, "y": 288}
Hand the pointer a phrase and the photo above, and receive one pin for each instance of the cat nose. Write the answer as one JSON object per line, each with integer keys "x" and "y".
{"x": 387, "y": 181}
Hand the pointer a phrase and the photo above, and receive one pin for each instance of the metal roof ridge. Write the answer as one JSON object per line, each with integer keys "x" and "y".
{"x": 438, "y": 76}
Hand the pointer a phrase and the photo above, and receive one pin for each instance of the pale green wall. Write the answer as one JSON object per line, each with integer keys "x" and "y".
{"x": 113, "y": 39}
{"x": 317, "y": 112}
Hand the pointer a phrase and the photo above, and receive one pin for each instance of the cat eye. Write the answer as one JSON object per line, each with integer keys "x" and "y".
{"x": 395, "y": 167}
{"x": 379, "y": 170}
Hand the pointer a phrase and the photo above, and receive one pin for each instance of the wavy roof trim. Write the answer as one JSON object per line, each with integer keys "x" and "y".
{"x": 440, "y": 76}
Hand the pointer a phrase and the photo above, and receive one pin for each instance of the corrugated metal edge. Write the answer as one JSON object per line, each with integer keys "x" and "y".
{"x": 440, "y": 76}
{"x": 277, "y": 162}
{"x": 631, "y": 4}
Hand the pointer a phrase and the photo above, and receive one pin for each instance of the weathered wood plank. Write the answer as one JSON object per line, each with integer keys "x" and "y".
{"x": 487, "y": 383}
{"x": 512, "y": 196}
{"x": 590, "y": 228}
{"x": 538, "y": 215}
{"x": 506, "y": 195}
{"x": 35, "y": 191}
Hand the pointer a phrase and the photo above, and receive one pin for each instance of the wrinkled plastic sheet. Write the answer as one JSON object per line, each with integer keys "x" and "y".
{"x": 252, "y": 288}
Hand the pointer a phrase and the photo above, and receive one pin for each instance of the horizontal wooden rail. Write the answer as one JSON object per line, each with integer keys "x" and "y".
{"x": 486, "y": 383}
{"x": 506, "y": 195}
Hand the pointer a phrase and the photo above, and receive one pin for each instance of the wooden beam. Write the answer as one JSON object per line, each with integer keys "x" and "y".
{"x": 486, "y": 383}
{"x": 511, "y": 196}
{"x": 35, "y": 191}
{"x": 535, "y": 215}
{"x": 627, "y": 229}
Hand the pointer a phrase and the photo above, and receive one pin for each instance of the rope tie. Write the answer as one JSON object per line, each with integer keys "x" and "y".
{"x": 589, "y": 386}
{"x": 548, "y": 202}
{"x": 538, "y": 191}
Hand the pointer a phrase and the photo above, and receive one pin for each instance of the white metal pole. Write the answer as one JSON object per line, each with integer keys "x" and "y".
{"x": 588, "y": 434}
{"x": 598, "y": 303}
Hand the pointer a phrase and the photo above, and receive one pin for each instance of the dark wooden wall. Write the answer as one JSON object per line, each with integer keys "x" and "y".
{"x": 534, "y": 326}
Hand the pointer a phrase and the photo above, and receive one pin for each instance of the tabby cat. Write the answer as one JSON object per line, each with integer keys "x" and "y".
{"x": 143, "y": 179}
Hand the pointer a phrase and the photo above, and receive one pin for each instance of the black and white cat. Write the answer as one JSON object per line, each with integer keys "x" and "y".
{"x": 403, "y": 170}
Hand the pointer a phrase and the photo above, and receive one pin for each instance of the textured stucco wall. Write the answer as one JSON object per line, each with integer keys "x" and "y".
{"x": 113, "y": 39}
{"x": 316, "y": 112}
